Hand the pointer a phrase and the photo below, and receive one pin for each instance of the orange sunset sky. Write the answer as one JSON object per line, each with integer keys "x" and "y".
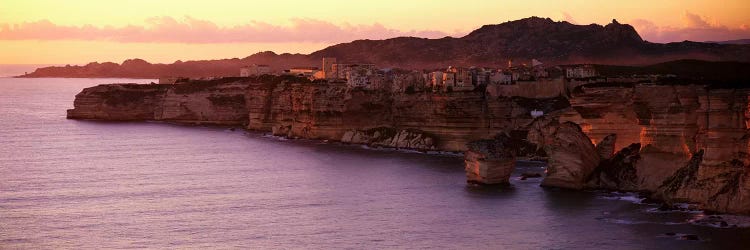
{"x": 77, "y": 31}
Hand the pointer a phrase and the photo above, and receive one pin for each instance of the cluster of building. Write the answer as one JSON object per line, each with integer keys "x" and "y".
{"x": 255, "y": 69}
{"x": 368, "y": 76}
{"x": 467, "y": 79}
{"x": 362, "y": 75}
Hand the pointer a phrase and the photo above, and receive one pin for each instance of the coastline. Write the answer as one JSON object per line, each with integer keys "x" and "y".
{"x": 333, "y": 112}
{"x": 703, "y": 218}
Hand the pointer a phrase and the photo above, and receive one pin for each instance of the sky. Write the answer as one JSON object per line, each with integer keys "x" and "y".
{"x": 80, "y": 31}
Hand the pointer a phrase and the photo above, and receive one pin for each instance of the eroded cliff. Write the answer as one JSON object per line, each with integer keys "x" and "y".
{"x": 294, "y": 107}
{"x": 633, "y": 137}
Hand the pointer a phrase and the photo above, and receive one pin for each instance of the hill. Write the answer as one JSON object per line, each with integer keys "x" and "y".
{"x": 491, "y": 45}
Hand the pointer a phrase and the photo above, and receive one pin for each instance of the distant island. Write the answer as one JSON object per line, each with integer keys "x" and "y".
{"x": 536, "y": 38}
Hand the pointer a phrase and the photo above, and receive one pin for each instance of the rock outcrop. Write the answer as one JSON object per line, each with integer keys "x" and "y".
{"x": 617, "y": 172}
{"x": 196, "y": 103}
{"x": 572, "y": 158}
{"x": 694, "y": 141}
{"x": 488, "y": 162}
{"x": 570, "y": 154}
{"x": 723, "y": 187}
{"x": 298, "y": 108}
{"x": 328, "y": 111}
{"x": 118, "y": 102}
{"x": 606, "y": 147}
{"x": 669, "y": 122}
{"x": 391, "y": 138}
{"x": 220, "y": 104}
{"x": 492, "y": 161}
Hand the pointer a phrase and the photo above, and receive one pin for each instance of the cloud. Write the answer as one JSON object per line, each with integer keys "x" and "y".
{"x": 192, "y": 30}
{"x": 695, "y": 28}
{"x": 567, "y": 17}
{"x": 695, "y": 21}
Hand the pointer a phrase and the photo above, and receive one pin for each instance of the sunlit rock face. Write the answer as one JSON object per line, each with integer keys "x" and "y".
{"x": 492, "y": 161}
{"x": 314, "y": 111}
{"x": 222, "y": 104}
{"x": 200, "y": 103}
{"x": 328, "y": 111}
{"x": 298, "y": 109}
{"x": 694, "y": 140}
{"x": 459, "y": 118}
{"x": 723, "y": 122}
{"x": 118, "y": 102}
{"x": 572, "y": 158}
{"x": 716, "y": 176}
{"x": 670, "y": 122}
{"x": 483, "y": 168}
{"x": 723, "y": 188}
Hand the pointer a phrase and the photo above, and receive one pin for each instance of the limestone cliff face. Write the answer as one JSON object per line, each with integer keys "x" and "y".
{"x": 487, "y": 162}
{"x": 315, "y": 111}
{"x": 670, "y": 122}
{"x": 328, "y": 111}
{"x": 221, "y": 104}
{"x": 492, "y": 161}
{"x": 724, "y": 187}
{"x": 118, "y": 102}
{"x": 446, "y": 121}
{"x": 201, "y": 103}
{"x": 572, "y": 157}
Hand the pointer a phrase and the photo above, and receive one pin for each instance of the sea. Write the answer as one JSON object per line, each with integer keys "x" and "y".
{"x": 74, "y": 184}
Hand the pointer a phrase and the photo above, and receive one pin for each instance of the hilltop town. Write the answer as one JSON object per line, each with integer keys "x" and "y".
{"x": 528, "y": 79}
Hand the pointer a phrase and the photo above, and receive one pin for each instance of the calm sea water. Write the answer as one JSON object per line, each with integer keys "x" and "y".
{"x": 83, "y": 184}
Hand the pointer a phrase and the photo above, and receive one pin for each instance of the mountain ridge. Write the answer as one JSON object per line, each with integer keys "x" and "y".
{"x": 491, "y": 45}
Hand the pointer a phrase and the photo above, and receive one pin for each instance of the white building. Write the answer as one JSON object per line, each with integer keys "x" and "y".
{"x": 501, "y": 77}
{"x": 359, "y": 77}
{"x": 580, "y": 71}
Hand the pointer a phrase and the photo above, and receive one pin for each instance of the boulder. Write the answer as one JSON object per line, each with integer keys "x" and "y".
{"x": 572, "y": 157}
{"x": 606, "y": 147}
{"x": 490, "y": 161}
{"x": 390, "y": 137}
{"x": 618, "y": 172}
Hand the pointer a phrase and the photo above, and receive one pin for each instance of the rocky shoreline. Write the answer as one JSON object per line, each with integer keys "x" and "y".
{"x": 677, "y": 143}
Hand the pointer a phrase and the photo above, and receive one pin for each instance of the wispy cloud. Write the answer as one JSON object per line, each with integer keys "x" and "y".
{"x": 192, "y": 30}
{"x": 567, "y": 17}
{"x": 694, "y": 28}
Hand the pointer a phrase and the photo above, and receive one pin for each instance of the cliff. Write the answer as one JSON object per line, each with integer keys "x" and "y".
{"x": 490, "y": 46}
{"x": 200, "y": 103}
{"x": 296, "y": 107}
{"x": 330, "y": 111}
{"x": 118, "y": 102}
{"x": 683, "y": 143}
